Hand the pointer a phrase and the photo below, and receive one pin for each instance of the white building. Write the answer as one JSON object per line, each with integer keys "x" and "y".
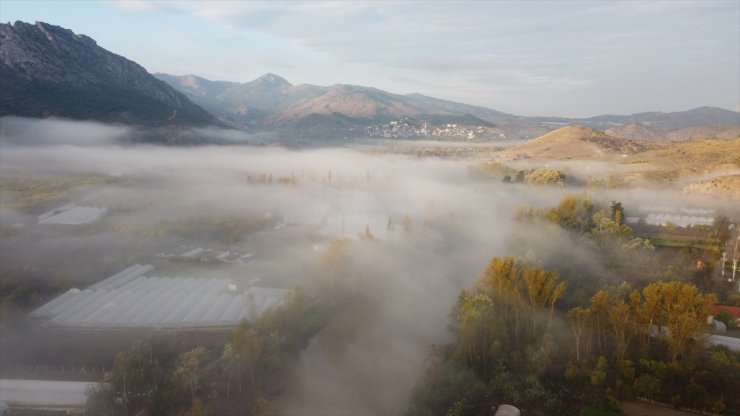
{"x": 129, "y": 299}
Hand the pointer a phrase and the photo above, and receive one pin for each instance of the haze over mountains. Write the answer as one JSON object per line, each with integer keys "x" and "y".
{"x": 47, "y": 70}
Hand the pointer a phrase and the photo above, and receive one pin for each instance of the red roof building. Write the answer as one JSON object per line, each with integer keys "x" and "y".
{"x": 734, "y": 311}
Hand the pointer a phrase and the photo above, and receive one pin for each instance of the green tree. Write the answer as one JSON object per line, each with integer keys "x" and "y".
{"x": 647, "y": 386}
{"x": 598, "y": 374}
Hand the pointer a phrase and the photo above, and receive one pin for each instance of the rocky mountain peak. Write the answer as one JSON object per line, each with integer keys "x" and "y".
{"x": 272, "y": 80}
{"x": 47, "y": 70}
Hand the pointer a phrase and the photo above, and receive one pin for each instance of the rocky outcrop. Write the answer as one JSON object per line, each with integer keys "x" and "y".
{"x": 47, "y": 70}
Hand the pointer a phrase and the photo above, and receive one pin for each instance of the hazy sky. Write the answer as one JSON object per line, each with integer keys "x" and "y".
{"x": 526, "y": 57}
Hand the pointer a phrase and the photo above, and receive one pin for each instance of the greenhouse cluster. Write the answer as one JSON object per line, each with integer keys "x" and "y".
{"x": 72, "y": 215}
{"x": 129, "y": 299}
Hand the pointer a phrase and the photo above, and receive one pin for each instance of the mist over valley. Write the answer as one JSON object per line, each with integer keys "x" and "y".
{"x": 179, "y": 245}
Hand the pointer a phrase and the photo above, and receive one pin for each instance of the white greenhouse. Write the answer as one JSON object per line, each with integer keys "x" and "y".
{"x": 72, "y": 215}
{"x": 129, "y": 299}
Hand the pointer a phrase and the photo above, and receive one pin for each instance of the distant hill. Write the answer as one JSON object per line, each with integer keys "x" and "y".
{"x": 47, "y": 70}
{"x": 708, "y": 166}
{"x": 659, "y": 121}
{"x": 708, "y": 132}
{"x": 575, "y": 142}
{"x": 698, "y": 154}
{"x": 636, "y": 131}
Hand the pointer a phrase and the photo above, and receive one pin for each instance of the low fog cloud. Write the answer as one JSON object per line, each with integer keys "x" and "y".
{"x": 229, "y": 135}
{"x": 364, "y": 361}
{"x": 29, "y": 131}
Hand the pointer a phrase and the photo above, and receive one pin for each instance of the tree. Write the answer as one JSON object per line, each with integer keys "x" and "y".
{"x": 574, "y": 213}
{"x": 336, "y": 273}
{"x": 647, "y": 386}
{"x": 598, "y": 374}
{"x": 721, "y": 228}
{"x": 620, "y": 316}
{"x": 244, "y": 353}
{"x": 502, "y": 281}
{"x": 600, "y": 309}
{"x": 727, "y": 319}
{"x": 472, "y": 324}
{"x": 617, "y": 212}
{"x": 684, "y": 312}
{"x": 189, "y": 367}
{"x": 578, "y": 318}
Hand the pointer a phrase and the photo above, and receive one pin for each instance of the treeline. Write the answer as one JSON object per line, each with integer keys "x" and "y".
{"x": 22, "y": 288}
{"x": 532, "y": 176}
{"x": 512, "y": 346}
{"x": 503, "y": 351}
{"x": 163, "y": 377}
{"x": 615, "y": 247}
{"x": 650, "y": 345}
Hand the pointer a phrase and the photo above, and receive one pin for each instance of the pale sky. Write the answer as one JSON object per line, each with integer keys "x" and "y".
{"x": 572, "y": 59}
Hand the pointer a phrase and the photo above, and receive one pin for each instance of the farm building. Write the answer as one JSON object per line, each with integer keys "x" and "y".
{"x": 72, "y": 215}
{"x": 129, "y": 299}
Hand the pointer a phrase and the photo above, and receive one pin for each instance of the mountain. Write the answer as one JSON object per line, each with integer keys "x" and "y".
{"x": 639, "y": 131}
{"x": 47, "y": 70}
{"x": 718, "y": 132}
{"x": 271, "y": 102}
{"x": 663, "y": 122}
{"x": 635, "y": 131}
{"x": 354, "y": 102}
{"x": 575, "y": 142}
{"x": 242, "y": 103}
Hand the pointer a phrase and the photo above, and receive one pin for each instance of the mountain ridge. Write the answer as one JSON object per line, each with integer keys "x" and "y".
{"x": 47, "y": 70}
{"x": 253, "y": 104}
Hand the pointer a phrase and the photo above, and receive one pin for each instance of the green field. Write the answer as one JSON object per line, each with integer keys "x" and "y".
{"x": 681, "y": 242}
